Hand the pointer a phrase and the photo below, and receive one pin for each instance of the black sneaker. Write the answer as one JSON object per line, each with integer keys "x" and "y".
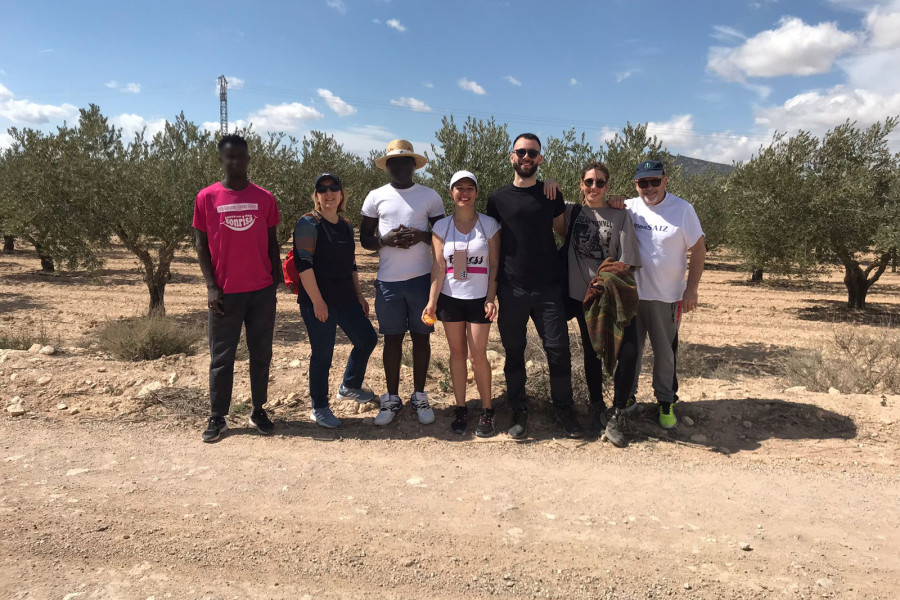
{"x": 519, "y": 427}
{"x": 486, "y": 423}
{"x": 460, "y": 420}
{"x": 599, "y": 416}
{"x": 569, "y": 421}
{"x": 614, "y": 426}
{"x": 214, "y": 429}
{"x": 262, "y": 422}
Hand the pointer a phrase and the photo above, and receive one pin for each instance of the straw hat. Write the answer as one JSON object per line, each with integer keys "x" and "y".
{"x": 400, "y": 148}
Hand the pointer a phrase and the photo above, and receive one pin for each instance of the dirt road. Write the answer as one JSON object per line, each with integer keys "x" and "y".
{"x": 94, "y": 509}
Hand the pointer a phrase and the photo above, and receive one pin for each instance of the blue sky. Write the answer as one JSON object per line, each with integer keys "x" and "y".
{"x": 713, "y": 78}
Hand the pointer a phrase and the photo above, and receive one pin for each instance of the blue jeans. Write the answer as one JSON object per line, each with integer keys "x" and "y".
{"x": 357, "y": 328}
{"x": 399, "y": 305}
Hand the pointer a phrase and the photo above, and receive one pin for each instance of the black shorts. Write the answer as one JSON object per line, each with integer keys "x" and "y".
{"x": 454, "y": 310}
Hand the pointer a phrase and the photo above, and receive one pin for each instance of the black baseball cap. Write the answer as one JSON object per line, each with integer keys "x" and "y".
{"x": 336, "y": 179}
{"x": 649, "y": 168}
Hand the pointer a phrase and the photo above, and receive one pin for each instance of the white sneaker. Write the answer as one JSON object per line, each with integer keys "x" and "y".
{"x": 419, "y": 400}
{"x": 390, "y": 406}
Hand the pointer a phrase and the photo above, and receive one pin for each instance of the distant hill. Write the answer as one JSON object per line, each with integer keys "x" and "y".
{"x": 694, "y": 166}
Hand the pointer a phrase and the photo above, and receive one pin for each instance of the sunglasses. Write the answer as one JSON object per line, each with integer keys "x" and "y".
{"x": 334, "y": 187}
{"x": 531, "y": 152}
{"x": 645, "y": 183}
{"x": 588, "y": 183}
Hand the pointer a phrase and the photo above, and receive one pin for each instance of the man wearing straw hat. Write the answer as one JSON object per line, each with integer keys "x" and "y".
{"x": 396, "y": 222}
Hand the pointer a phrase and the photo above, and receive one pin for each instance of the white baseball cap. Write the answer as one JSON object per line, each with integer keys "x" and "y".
{"x": 463, "y": 175}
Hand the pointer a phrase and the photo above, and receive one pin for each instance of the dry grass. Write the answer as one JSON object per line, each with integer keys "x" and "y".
{"x": 854, "y": 361}
{"x": 24, "y": 339}
{"x": 147, "y": 338}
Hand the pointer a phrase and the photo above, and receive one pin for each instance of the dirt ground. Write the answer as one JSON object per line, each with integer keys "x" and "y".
{"x": 773, "y": 492}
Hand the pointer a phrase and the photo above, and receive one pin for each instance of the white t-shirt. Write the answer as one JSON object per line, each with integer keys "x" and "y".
{"x": 412, "y": 207}
{"x": 665, "y": 233}
{"x": 475, "y": 285}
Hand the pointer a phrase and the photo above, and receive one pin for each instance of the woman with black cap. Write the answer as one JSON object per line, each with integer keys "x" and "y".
{"x": 330, "y": 296}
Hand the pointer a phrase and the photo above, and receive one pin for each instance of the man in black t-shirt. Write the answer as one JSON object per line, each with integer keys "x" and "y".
{"x": 529, "y": 286}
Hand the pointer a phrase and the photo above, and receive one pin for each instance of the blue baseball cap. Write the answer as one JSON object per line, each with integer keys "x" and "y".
{"x": 649, "y": 168}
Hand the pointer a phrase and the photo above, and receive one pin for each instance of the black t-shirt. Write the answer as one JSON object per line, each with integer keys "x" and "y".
{"x": 527, "y": 246}
{"x": 333, "y": 261}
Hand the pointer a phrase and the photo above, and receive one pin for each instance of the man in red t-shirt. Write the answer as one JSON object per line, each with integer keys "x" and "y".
{"x": 239, "y": 256}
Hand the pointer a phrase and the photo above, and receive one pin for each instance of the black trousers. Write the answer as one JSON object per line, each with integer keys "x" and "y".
{"x": 626, "y": 366}
{"x": 256, "y": 312}
{"x": 544, "y": 306}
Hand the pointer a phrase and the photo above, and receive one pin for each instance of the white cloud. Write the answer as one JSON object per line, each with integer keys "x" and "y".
{"x": 336, "y": 104}
{"x": 128, "y": 88}
{"x": 724, "y": 33}
{"x": 363, "y": 139}
{"x": 820, "y": 111}
{"x": 283, "y": 117}
{"x": 412, "y": 103}
{"x": 513, "y": 81}
{"x": 620, "y": 77}
{"x": 794, "y": 48}
{"x": 680, "y": 137}
{"x": 395, "y": 24}
{"x": 32, "y": 113}
{"x": 234, "y": 83}
{"x": 428, "y": 84}
{"x": 884, "y": 27}
{"x": 5, "y": 140}
{"x": 471, "y": 86}
{"x": 131, "y": 124}
{"x": 337, "y": 5}
{"x": 573, "y": 81}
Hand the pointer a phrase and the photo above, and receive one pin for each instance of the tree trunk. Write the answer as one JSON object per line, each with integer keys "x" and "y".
{"x": 9, "y": 244}
{"x": 857, "y": 285}
{"x": 894, "y": 261}
{"x": 157, "y": 290}
{"x": 757, "y": 275}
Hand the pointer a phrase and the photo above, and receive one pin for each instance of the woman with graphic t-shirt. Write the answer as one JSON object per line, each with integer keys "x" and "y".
{"x": 596, "y": 231}
{"x": 466, "y": 248}
{"x": 330, "y": 296}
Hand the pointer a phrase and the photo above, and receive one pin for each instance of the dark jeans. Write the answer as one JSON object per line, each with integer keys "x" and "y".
{"x": 593, "y": 364}
{"x": 544, "y": 306}
{"x": 256, "y": 312}
{"x": 358, "y": 329}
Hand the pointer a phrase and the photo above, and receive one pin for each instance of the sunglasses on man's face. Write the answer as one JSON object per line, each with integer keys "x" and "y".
{"x": 334, "y": 187}
{"x": 531, "y": 152}
{"x": 645, "y": 183}
{"x": 589, "y": 183}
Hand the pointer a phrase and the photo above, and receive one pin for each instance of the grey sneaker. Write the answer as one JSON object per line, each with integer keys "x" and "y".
{"x": 325, "y": 418}
{"x": 613, "y": 431}
{"x": 357, "y": 395}
{"x": 419, "y": 400}
{"x": 390, "y": 406}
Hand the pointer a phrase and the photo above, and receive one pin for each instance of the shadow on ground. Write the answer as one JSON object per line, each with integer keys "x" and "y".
{"x": 876, "y": 314}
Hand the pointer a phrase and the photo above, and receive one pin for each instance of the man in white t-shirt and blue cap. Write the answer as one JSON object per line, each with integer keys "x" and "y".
{"x": 667, "y": 229}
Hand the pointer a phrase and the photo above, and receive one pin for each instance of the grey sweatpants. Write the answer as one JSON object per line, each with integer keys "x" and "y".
{"x": 659, "y": 320}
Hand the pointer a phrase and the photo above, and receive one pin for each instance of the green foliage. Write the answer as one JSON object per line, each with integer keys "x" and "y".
{"x": 629, "y": 147}
{"x": 770, "y": 207}
{"x": 707, "y": 191}
{"x": 564, "y": 159}
{"x": 481, "y": 147}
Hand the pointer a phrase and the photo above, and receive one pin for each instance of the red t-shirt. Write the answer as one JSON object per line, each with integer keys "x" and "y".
{"x": 237, "y": 224}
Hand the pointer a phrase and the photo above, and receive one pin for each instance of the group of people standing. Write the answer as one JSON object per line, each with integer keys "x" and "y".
{"x": 620, "y": 274}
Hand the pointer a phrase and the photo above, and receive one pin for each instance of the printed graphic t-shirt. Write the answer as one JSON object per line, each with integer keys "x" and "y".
{"x": 527, "y": 246}
{"x": 665, "y": 233}
{"x": 412, "y": 207}
{"x": 475, "y": 243}
{"x": 237, "y": 224}
{"x": 598, "y": 234}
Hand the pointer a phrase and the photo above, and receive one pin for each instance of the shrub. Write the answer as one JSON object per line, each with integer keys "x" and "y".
{"x": 25, "y": 339}
{"x": 854, "y": 361}
{"x": 148, "y": 338}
